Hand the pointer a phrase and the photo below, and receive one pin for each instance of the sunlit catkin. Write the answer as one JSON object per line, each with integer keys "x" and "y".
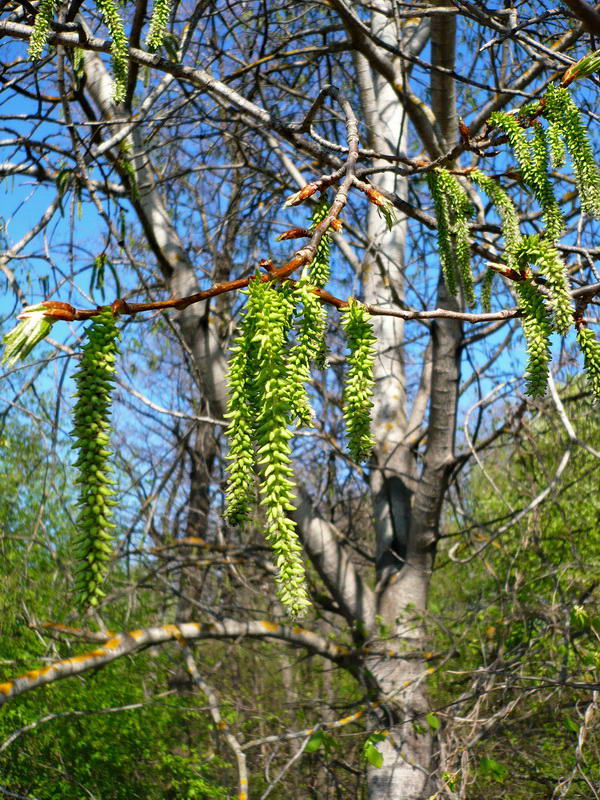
{"x": 94, "y": 380}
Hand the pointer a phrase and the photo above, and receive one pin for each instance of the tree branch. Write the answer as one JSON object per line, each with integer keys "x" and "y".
{"x": 122, "y": 644}
{"x": 587, "y": 14}
{"x": 327, "y": 554}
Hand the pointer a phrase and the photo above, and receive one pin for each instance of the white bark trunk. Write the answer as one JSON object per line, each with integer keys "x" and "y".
{"x": 405, "y": 528}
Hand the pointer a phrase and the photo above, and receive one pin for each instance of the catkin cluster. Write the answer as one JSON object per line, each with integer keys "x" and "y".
{"x": 453, "y": 210}
{"x": 41, "y": 28}
{"x": 565, "y": 119}
{"x": 119, "y": 47}
{"x": 543, "y": 149}
{"x": 533, "y": 156}
{"x": 94, "y": 380}
{"x": 541, "y": 253}
{"x": 262, "y": 397}
{"x": 281, "y": 335}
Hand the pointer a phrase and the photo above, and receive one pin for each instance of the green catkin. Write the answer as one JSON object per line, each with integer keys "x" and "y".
{"x": 262, "y": 390}
{"x": 119, "y": 47}
{"x": 273, "y": 449}
{"x": 241, "y": 411}
{"x": 462, "y": 210}
{"x": 542, "y": 253}
{"x": 440, "y": 204}
{"x": 310, "y": 322}
{"x": 319, "y": 268}
{"x": 125, "y": 162}
{"x": 542, "y": 187}
{"x": 486, "y": 290}
{"x": 453, "y": 211}
{"x": 506, "y": 210}
{"x": 562, "y": 112}
{"x": 590, "y": 347}
{"x": 310, "y": 334}
{"x": 94, "y": 380}
{"x": 537, "y": 330}
{"x": 556, "y": 145}
{"x": 158, "y": 24}
{"x": 517, "y": 139}
{"x": 358, "y": 390}
{"x": 41, "y": 28}
{"x": 534, "y": 162}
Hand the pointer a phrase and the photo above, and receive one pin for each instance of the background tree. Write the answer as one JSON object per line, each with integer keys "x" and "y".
{"x": 179, "y": 174}
{"x": 524, "y": 614}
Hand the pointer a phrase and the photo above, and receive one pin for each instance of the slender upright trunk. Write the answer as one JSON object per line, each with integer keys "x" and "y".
{"x": 407, "y": 503}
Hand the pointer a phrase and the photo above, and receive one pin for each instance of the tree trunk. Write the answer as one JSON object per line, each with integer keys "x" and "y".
{"x": 407, "y": 505}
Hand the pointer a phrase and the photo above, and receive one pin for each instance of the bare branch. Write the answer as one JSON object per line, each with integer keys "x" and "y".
{"x": 125, "y": 643}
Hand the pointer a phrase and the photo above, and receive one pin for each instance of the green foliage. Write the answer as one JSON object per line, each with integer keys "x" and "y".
{"x": 587, "y": 65}
{"x": 537, "y": 330}
{"x": 541, "y": 253}
{"x": 119, "y": 47}
{"x": 159, "y": 20}
{"x": 92, "y": 425}
{"x": 41, "y": 28}
{"x": 161, "y": 750}
{"x": 370, "y": 751}
{"x": 561, "y": 111}
{"x": 433, "y": 721}
{"x": 526, "y": 606}
{"x": 358, "y": 390}
{"x": 590, "y": 347}
{"x": 320, "y": 739}
{"x": 138, "y": 752}
{"x": 453, "y": 211}
{"x": 493, "y": 769}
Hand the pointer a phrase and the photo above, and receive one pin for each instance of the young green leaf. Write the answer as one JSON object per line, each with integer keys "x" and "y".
{"x": 21, "y": 340}
{"x": 372, "y": 754}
